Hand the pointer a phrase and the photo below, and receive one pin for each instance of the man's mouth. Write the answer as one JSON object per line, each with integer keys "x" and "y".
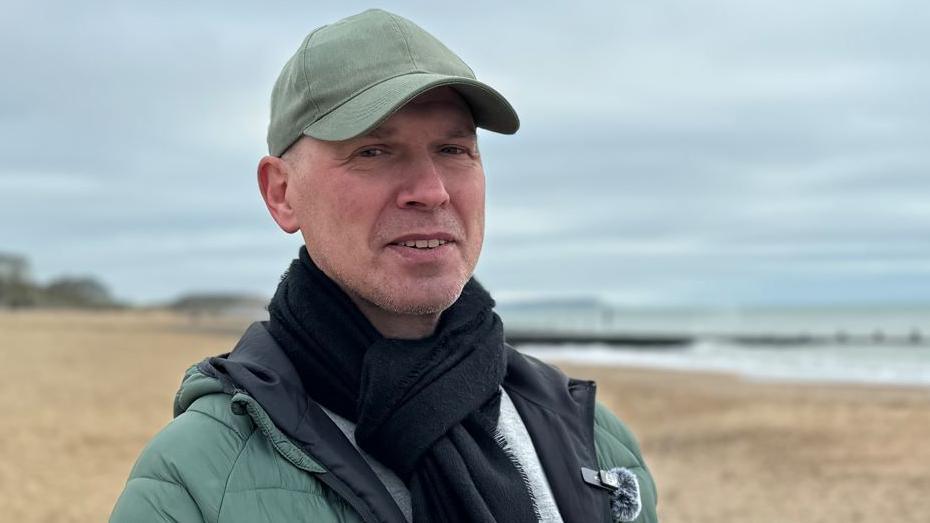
{"x": 422, "y": 244}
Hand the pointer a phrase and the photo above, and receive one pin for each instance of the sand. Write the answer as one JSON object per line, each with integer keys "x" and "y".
{"x": 82, "y": 393}
{"x": 724, "y": 449}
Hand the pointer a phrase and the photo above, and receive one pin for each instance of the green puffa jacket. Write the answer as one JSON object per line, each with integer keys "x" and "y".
{"x": 247, "y": 445}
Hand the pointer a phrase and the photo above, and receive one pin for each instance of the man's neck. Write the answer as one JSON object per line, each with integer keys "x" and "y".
{"x": 394, "y": 325}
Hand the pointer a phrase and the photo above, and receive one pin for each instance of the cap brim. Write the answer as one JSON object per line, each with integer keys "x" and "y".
{"x": 368, "y": 109}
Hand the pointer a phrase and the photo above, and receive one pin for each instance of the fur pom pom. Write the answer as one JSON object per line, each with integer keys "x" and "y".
{"x": 625, "y": 502}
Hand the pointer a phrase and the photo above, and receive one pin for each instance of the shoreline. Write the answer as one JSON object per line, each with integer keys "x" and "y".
{"x": 748, "y": 379}
{"x": 891, "y": 366}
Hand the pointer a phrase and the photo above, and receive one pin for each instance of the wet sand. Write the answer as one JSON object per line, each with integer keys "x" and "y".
{"x": 82, "y": 393}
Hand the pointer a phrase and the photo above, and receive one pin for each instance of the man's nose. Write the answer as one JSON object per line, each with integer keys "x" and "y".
{"x": 423, "y": 186}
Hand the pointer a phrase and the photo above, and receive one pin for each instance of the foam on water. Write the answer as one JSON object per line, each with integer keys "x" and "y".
{"x": 875, "y": 364}
{"x": 888, "y": 345}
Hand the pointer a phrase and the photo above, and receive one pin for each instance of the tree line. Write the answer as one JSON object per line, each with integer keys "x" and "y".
{"x": 18, "y": 290}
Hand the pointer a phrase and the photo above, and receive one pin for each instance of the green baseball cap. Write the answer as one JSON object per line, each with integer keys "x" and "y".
{"x": 350, "y": 76}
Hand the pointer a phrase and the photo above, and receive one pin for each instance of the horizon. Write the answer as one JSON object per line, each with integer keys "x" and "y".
{"x": 516, "y": 300}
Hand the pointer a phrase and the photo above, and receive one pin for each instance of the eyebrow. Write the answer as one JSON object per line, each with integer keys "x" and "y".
{"x": 461, "y": 132}
{"x": 381, "y": 132}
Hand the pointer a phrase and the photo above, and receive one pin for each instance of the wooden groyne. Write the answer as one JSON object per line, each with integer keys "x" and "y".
{"x": 630, "y": 340}
{"x": 674, "y": 341}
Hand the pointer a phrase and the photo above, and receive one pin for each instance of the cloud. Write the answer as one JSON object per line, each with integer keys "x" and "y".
{"x": 670, "y": 152}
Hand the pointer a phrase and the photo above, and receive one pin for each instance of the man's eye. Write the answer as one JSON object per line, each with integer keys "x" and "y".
{"x": 453, "y": 149}
{"x": 371, "y": 152}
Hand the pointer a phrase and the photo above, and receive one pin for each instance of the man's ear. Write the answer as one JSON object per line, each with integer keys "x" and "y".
{"x": 272, "y": 182}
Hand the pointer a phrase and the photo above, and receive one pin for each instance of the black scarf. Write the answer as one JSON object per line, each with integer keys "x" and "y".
{"x": 426, "y": 408}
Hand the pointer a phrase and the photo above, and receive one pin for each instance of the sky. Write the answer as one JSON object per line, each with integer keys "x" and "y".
{"x": 721, "y": 153}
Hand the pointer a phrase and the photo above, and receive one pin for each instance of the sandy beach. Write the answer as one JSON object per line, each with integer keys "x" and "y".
{"x": 725, "y": 449}
{"x": 83, "y": 392}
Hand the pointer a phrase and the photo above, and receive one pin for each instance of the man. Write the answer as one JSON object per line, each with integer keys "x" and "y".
{"x": 380, "y": 389}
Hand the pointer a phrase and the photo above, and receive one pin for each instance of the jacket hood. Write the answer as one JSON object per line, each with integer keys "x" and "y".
{"x": 251, "y": 365}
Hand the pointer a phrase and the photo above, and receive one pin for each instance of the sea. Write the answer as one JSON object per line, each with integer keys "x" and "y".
{"x": 868, "y": 345}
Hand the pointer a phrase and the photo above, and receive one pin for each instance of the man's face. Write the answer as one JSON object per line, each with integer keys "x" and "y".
{"x": 396, "y": 217}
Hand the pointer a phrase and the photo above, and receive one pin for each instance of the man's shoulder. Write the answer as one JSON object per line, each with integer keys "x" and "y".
{"x": 207, "y": 436}
{"x": 612, "y": 436}
{"x": 617, "y": 448}
{"x": 191, "y": 458}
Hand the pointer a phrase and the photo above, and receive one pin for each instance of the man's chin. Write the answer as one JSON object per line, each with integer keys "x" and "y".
{"x": 427, "y": 305}
{"x": 420, "y": 298}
